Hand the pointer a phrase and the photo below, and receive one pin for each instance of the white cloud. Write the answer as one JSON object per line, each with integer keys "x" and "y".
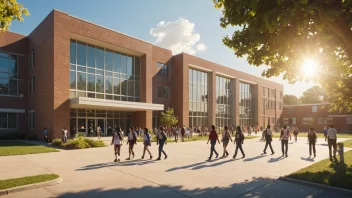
{"x": 178, "y": 36}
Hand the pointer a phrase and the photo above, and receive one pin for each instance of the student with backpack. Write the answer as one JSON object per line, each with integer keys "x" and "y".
{"x": 268, "y": 139}
{"x": 147, "y": 143}
{"x": 239, "y": 138}
{"x": 226, "y": 137}
{"x": 161, "y": 140}
{"x": 295, "y": 132}
{"x": 285, "y": 134}
{"x": 132, "y": 140}
{"x": 46, "y": 135}
{"x": 117, "y": 139}
{"x": 213, "y": 137}
{"x": 326, "y": 132}
{"x": 183, "y": 131}
{"x": 312, "y": 138}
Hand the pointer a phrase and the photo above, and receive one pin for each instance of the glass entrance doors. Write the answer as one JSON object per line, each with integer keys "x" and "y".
{"x": 101, "y": 123}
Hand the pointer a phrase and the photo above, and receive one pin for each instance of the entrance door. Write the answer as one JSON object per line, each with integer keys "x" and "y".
{"x": 91, "y": 127}
{"x": 101, "y": 123}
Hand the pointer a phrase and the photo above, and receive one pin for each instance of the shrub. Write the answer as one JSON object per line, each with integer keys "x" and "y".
{"x": 94, "y": 143}
{"x": 78, "y": 143}
{"x": 57, "y": 142}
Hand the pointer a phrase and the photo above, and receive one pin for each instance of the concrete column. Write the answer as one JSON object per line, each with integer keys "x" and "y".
{"x": 211, "y": 98}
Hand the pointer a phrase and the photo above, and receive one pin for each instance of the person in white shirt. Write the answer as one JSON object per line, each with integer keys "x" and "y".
{"x": 285, "y": 134}
{"x": 268, "y": 139}
{"x": 64, "y": 135}
{"x": 332, "y": 139}
{"x": 132, "y": 140}
{"x": 146, "y": 143}
{"x": 117, "y": 139}
{"x": 98, "y": 131}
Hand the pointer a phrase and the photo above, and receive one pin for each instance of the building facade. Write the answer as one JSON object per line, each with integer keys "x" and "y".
{"x": 72, "y": 73}
{"x": 317, "y": 116}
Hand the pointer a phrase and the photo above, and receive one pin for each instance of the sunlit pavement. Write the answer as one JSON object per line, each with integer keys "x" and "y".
{"x": 91, "y": 172}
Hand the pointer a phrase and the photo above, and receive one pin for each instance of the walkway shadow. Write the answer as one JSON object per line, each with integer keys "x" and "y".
{"x": 307, "y": 159}
{"x": 253, "y": 158}
{"x": 185, "y": 167}
{"x": 137, "y": 162}
{"x": 272, "y": 160}
{"x": 212, "y": 165}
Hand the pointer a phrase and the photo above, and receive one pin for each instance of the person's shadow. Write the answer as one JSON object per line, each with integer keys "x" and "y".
{"x": 253, "y": 158}
{"x": 309, "y": 159}
{"x": 272, "y": 160}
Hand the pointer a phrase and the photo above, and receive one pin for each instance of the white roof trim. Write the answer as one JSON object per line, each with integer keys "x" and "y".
{"x": 6, "y": 110}
{"x": 199, "y": 68}
{"x": 94, "y": 103}
{"x": 246, "y": 81}
{"x": 225, "y": 75}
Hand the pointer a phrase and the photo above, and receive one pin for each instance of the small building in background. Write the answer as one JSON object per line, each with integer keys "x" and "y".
{"x": 316, "y": 115}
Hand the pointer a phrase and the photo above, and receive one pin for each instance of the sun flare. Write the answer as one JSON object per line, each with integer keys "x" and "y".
{"x": 309, "y": 67}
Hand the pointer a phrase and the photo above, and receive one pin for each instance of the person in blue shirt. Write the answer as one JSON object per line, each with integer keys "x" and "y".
{"x": 46, "y": 134}
{"x": 326, "y": 132}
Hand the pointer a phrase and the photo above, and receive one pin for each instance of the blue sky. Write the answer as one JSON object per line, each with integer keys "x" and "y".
{"x": 137, "y": 17}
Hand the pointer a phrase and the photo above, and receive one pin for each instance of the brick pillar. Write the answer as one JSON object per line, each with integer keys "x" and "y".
{"x": 236, "y": 101}
{"x": 256, "y": 104}
{"x": 142, "y": 119}
{"x": 211, "y": 98}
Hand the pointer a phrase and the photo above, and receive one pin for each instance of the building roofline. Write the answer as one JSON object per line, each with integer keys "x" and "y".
{"x": 15, "y": 33}
{"x": 316, "y": 104}
{"x": 110, "y": 29}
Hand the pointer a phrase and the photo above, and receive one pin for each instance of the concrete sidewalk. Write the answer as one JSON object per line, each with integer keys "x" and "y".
{"x": 91, "y": 172}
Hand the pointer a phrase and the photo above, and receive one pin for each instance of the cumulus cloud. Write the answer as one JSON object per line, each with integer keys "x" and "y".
{"x": 178, "y": 36}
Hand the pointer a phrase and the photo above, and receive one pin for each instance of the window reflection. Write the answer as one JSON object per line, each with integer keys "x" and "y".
{"x": 223, "y": 102}
{"x": 198, "y": 98}
{"x": 246, "y": 105}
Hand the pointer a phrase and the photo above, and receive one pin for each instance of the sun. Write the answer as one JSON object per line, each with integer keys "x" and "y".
{"x": 309, "y": 67}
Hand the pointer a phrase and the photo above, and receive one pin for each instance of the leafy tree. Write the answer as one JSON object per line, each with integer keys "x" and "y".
{"x": 168, "y": 118}
{"x": 11, "y": 10}
{"x": 313, "y": 95}
{"x": 282, "y": 34}
{"x": 290, "y": 100}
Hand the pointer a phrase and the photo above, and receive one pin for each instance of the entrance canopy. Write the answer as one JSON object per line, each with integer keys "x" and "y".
{"x": 94, "y": 103}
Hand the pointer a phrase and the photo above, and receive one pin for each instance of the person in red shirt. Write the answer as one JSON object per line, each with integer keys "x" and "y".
{"x": 213, "y": 137}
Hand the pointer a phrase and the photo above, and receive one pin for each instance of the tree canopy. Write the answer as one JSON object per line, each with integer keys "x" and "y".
{"x": 168, "y": 118}
{"x": 11, "y": 10}
{"x": 282, "y": 34}
{"x": 313, "y": 95}
{"x": 290, "y": 100}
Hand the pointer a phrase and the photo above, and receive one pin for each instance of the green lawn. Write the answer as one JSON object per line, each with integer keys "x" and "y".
{"x": 319, "y": 135}
{"x": 328, "y": 173}
{"x": 16, "y": 147}
{"x": 194, "y": 138}
{"x": 347, "y": 143}
{"x": 10, "y": 183}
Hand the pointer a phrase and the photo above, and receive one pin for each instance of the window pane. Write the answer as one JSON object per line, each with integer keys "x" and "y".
{"x": 4, "y": 64}
{"x": 72, "y": 80}
{"x": 99, "y": 55}
{"x": 99, "y": 83}
{"x": 81, "y": 81}
{"x": 123, "y": 64}
{"x": 160, "y": 92}
{"x": 12, "y": 120}
{"x": 123, "y": 87}
{"x": 73, "y": 52}
{"x": 117, "y": 86}
{"x": 108, "y": 85}
{"x": 13, "y": 87}
{"x": 130, "y": 88}
{"x": 3, "y": 120}
{"x": 91, "y": 82}
{"x": 117, "y": 62}
{"x": 137, "y": 89}
{"x": 166, "y": 93}
{"x": 129, "y": 65}
{"x": 137, "y": 66}
{"x": 13, "y": 66}
{"x": 4, "y": 86}
{"x": 90, "y": 56}
{"x": 108, "y": 60}
{"x": 81, "y": 54}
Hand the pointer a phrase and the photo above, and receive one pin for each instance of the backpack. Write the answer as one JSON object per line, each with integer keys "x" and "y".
{"x": 164, "y": 136}
{"x": 134, "y": 137}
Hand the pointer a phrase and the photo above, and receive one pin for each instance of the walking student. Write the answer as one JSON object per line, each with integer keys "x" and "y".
{"x": 326, "y": 132}
{"x": 131, "y": 141}
{"x": 332, "y": 137}
{"x": 117, "y": 139}
{"x": 64, "y": 135}
{"x": 285, "y": 134}
{"x": 146, "y": 143}
{"x": 213, "y": 137}
{"x": 98, "y": 131}
{"x": 295, "y": 132}
{"x": 312, "y": 138}
{"x": 46, "y": 135}
{"x": 161, "y": 141}
{"x": 226, "y": 137}
{"x": 268, "y": 139}
{"x": 183, "y": 134}
{"x": 239, "y": 138}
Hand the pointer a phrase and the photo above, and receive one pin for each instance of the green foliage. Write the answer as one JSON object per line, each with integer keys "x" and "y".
{"x": 11, "y": 10}
{"x": 167, "y": 118}
{"x": 78, "y": 143}
{"x": 313, "y": 95}
{"x": 15, "y": 147}
{"x": 282, "y": 34}
{"x": 11, "y": 183}
{"x": 291, "y": 100}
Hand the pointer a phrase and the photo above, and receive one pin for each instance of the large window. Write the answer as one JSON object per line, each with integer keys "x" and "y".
{"x": 163, "y": 92}
{"x": 198, "y": 98}
{"x": 223, "y": 102}
{"x": 32, "y": 85}
{"x": 101, "y": 73}
{"x": 32, "y": 120}
{"x": 8, "y": 74}
{"x": 349, "y": 120}
{"x": 246, "y": 105}
{"x": 8, "y": 121}
{"x": 164, "y": 70}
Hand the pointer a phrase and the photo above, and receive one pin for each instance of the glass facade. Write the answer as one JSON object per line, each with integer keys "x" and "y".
{"x": 223, "y": 102}
{"x": 8, "y": 74}
{"x": 81, "y": 120}
{"x": 198, "y": 98}
{"x": 101, "y": 73}
{"x": 8, "y": 121}
{"x": 246, "y": 100}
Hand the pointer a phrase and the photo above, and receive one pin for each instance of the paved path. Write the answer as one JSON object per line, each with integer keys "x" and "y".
{"x": 91, "y": 172}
